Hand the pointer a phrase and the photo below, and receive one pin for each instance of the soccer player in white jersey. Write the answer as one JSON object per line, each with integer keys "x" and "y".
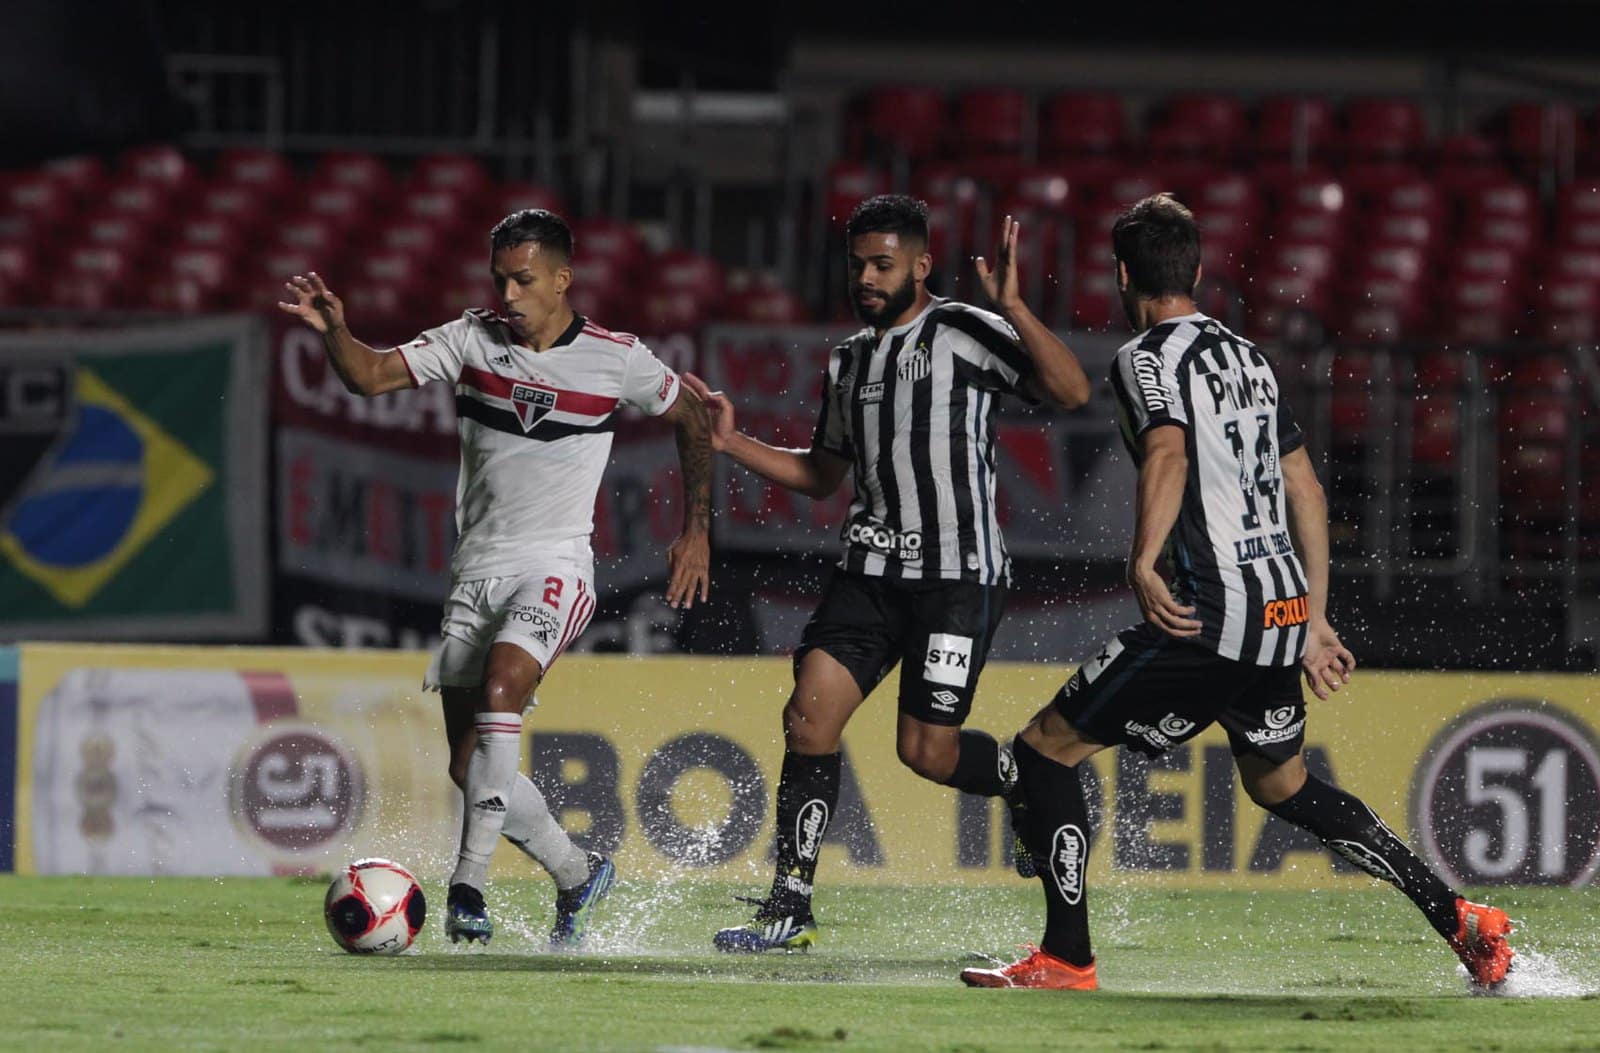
{"x": 1227, "y": 494}
{"x": 908, "y": 405}
{"x": 537, "y": 393}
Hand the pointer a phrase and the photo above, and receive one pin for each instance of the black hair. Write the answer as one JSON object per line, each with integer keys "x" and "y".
{"x": 1159, "y": 242}
{"x": 541, "y": 226}
{"x": 890, "y": 214}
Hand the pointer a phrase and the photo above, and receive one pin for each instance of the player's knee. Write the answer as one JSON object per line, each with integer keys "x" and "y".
{"x": 1269, "y": 787}
{"x": 458, "y": 772}
{"x": 933, "y": 759}
{"x": 505, "y": 694}
{"x": 803, "y": 732}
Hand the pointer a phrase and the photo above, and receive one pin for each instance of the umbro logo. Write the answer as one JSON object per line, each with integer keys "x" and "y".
{"x": 491, "y": 804}
{"x": 945, "y": 701}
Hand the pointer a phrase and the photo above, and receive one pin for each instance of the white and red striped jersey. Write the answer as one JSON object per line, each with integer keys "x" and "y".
{"x": 535, "y": 432}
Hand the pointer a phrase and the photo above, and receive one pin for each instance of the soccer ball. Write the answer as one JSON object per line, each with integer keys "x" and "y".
{"x": 374, "y": 907}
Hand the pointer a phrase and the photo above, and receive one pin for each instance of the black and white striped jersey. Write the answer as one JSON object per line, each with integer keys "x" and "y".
{"x": 1231, "y": 547}
{"x": 913, "y": 410}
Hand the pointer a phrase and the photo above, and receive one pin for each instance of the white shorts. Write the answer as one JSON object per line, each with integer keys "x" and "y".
{"x": 541, "y": 611}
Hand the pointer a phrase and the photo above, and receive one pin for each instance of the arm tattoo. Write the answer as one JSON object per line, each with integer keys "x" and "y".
{"x": 694, "y": 456}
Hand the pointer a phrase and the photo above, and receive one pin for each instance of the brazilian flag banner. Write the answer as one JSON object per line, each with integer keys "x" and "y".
{"x": 133, "y": 483}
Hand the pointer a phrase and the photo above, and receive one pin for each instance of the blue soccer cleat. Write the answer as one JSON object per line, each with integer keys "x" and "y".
{"x": 465, "y": 916}
{"x": 574, "y": 905}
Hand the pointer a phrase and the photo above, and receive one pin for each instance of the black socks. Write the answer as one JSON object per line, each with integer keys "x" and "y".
{"x": 978, "y": 767}
{"x": 1058, "y": 836}
{"x": 808, "y": 793}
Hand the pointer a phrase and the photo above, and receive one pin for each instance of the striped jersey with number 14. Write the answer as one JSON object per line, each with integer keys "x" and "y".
{"x": 1231, "y": 548}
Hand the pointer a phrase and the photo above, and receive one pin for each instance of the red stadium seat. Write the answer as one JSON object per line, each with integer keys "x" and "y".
{"x": 1092, "y": 236}
{"x": 82, "y": 175}
{"x": 1223, "y": 261}
{"x": 1436, "y": 410}
{"x": 1578, "y": 201}
{"x": 340, "y": 205}
{"x": 1171, "y": 141}
{"x": 1480, "y": 311}
{"x": 20, "y": 273}
{"x": 600, "y": 273}
{"x": 1407, "y": 193}
{"x": 122, "y": 229}
{"x": 264, "y": 277}
{"x": 906, "y": 120}
{"x": 1130, "y": 186}
{"x": 668, "y": 310}
{"x": 402, "y": 269}
{"x": 242, "y": 204}
{"x": 446, "y": 209}
{"x": 1288, "y": 127}
{"x": 1315, "y": 226}
{"x": 1232, "y": 192}
{"x": 679, "y": 270}
{"x": 193, "y": 280}
{"x": 848, "y": 184}
{"x": 1312, "y": 193}
{"x": 586, "y": 301}
{"x": 1504, "y": 198}
{"x": 152, "y": 201}
{"x": 766, "y": 305}
{"x": 990, "y": 121}
{"x": 1218, "y": 119}
{"x": 459, "y": 173}
{"x": 315, "y": 234}
{"x": 1350, "y": 380}
{"x": 1095, "y": 301}
{"x": 163, "y": 165}
{"x": 1486, "y": 262}
{"x": 1520, "y": 234}
{"x": 265, "y": 171}
{"x": 1464, "y": 150}
{"x": 1570, "y": 262}
{"x": 611, "y": 239}
{"x": 1567, "y": 310}
{"x": 1388, "y": 128}
{"x": 1539, "y": 134}
{"x": 1080, "y": 123}
{"x": 362, "y": 172}
{"x": 1313, "y": 260}
{"x": 1403, "y": 228}
{"x": 422, "y": 240}
{"x": 1042, "y": 188}
{"x": 93, "y": 278}
{"x": 464, "y": 282}
{"x": 47, "y": 203}
{"x": 205, "y": 230}
{"x": 514, "y": 197}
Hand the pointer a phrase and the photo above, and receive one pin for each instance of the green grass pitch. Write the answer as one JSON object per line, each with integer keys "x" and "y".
{"x": 169, "y": 964}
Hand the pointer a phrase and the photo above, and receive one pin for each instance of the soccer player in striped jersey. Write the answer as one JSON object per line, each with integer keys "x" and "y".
{"x": 1227, "y": 494}
{"x": 537, "y": 394}
{"x": 908, "y": 405}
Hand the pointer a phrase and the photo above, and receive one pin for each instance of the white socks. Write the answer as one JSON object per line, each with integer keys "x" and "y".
{"x": 530, "y": 826}
{"x": 491, "y": 777}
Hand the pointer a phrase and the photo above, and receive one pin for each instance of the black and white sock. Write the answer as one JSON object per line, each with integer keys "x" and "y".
{"x": 1058, "y": 836}
{"x": 1347, "y": 826}
{"x": 808, "y": 794}
{"x": 978, "y": 766}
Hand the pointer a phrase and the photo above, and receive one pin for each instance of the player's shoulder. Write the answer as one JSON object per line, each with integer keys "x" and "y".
{"x": 599, "y": 336}
{"x": 958, "y": 311}
{"x": 483, "y": 324}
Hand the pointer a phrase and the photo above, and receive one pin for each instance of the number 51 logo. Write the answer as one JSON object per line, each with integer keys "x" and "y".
{"x": 1509, "y": 794}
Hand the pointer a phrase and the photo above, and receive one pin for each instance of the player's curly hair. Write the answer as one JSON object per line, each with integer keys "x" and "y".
{"x": 541, "y": 226}
{"x": 1159, "y": 242}
{"x": 889, "y": 214}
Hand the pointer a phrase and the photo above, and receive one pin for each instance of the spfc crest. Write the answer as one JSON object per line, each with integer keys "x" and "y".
{"x": 532, "y": 403}
{"x": 36, "y": 412}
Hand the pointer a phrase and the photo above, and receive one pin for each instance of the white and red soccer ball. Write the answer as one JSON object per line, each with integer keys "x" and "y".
{"x": 374, "y": 907}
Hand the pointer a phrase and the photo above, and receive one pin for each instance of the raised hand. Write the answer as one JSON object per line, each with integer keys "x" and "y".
{"x": 688, "y": 569}
{"x": 1327, "y": 663}
{"x": 1000, "y": 284}
{"x": 718, "y": 408}
{"x": 314, "y": 304}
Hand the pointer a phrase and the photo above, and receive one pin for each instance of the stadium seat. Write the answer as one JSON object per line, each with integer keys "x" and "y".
{"x": 1232, "y": 192}
{"x": 166, "y": 166}
{"x": 1383, "y": 128}
{"x": 264, "y": 277}
{"x": 1095, "y": 302}
{"x": 464, "y": 282}
{"x": 93, "y": 278}
{"x": 1223, "y": 260}
{"x": 679, "y": 270}
{"x": 663, "y": 311}
{"x": 358, "y": 171}
{"x": 1477, "y": 310}
{"x": 459, "y": 173}
{"x": 20, "y": 272}
{"x": 192, "y": 281}
{"x": 767, "y": 305}
{"x": 1503, "y": 198}
{"x": 1403, "y": 191}
{"x": 1520, "y": 234}
{"x": 265, "y": 171}
{"x": 241, "y": 204}
{"x": 611, "y": 239}
{"x": 1129, "y": 186}
{"x": 991, "y": 121}
{"x": 1219, "y": 121}
{"x": 314, "y": 234}
{"x": 1316, "y": 226}
{"x": 1291, "y": 127}
{"x": 1436, "y": 401}
{"x": 905, "y": 120}
{"x": 1042, "y": 188}
{"x": 1539, "y": 134}
{"x": 848, "y": 184}
{"x": 587, "y": 301}
{"x": 422, "y": 240}
{"x": 122, "y": 229}
{"x": 507, "y": 198}
{"x": 1485, "y": 261}
{"x": 1079, "y": 123}
{"x": 210, "y": 230}
{"x": 446, "y": 209}
{"x": 82, "y": 175}
{"x": 1578, "y": 201}
{"x": 1566, "y": 311}
{"x": 1382, "y": 309}
{"x": 1313, "y": 260}
{"x": 1403, "y": 228}
{"x": 151, "y": 201}
{"x": 46, "y": 203}
{"x": 603, "y": 274}
{"x": 1350, "y": 382}
{"x": 1311, "y": 193}
{"x": 1574, "y": 262}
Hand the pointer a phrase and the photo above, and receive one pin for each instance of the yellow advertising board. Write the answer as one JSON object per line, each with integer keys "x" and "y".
{"x": 195, "y": 760}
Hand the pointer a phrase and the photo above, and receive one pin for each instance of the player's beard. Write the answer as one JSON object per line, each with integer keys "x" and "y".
{"x": 893, "y": 306}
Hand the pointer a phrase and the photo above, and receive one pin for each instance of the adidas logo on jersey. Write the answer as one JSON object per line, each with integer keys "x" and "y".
{"x": 501, "y": 360}
{"x": 491, "y": 804}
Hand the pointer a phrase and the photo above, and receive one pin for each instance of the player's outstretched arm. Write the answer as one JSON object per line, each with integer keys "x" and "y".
{"x": 1057, "y": 374}
{"x": 1327, "y": 662}
{"x": 1163, "y": 473}
{"x": 689, "y": 558}
{"x": 812, "y": 472}
{"x": 363, "y": 370}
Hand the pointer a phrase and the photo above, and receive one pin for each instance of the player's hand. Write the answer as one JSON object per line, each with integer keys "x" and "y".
{"x": 688, "y": 569}
{"x": 1158, "y": 606}
{"x": 718, "y": 408}
{"x": 1327, "y": 663}
{"x": 1000, "y": 284}
{"x": 314, "y": 304}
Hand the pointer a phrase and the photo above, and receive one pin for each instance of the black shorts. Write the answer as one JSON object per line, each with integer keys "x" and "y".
{"x": 940, "y": 629}
{"x": 1150, "y": 692}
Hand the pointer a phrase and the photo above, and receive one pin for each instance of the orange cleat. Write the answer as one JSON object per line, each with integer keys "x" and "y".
{"x": 1481, "y": 944}
{"x": 1039, "y": 969}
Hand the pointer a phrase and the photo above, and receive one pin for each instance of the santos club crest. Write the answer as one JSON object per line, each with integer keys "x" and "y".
{"x": 532, "y": 403}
